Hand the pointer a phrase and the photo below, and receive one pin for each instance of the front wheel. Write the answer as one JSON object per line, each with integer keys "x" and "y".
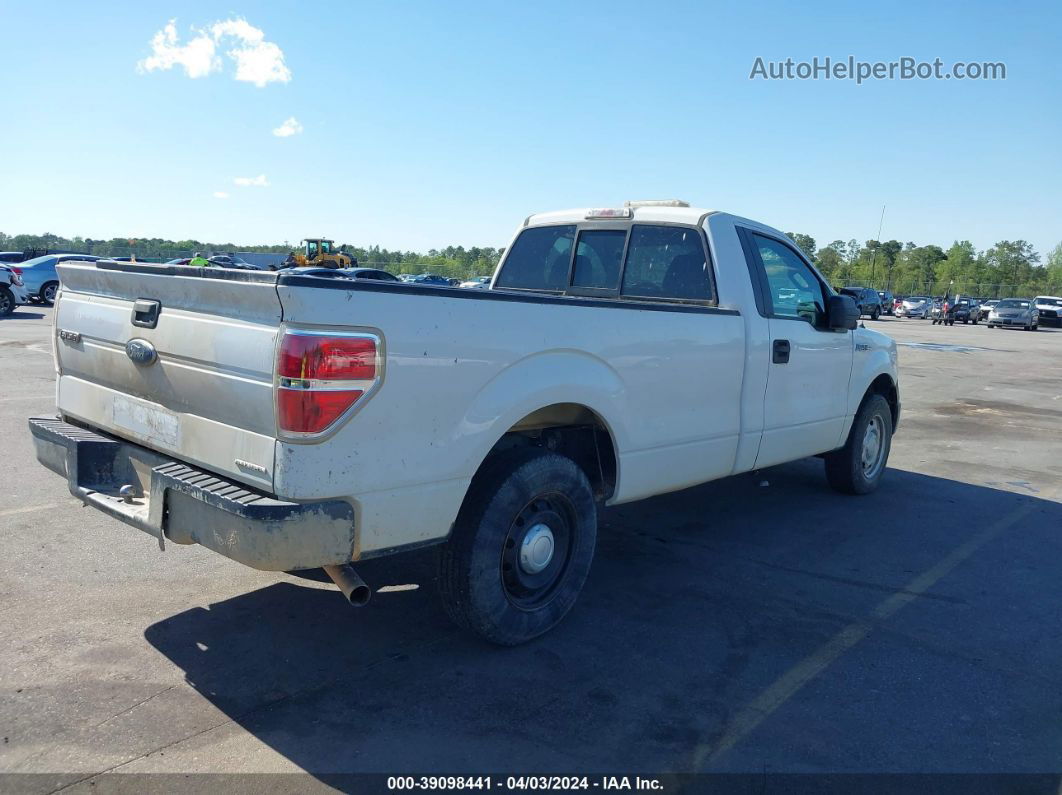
{"x": 875, "y": 314}
{"x": 521, "y": 547}
{"x": 857, "y": 467}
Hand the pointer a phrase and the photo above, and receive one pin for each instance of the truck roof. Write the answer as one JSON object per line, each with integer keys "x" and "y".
{"x": 639, "y": 212}
{"x": 668, "y": 211}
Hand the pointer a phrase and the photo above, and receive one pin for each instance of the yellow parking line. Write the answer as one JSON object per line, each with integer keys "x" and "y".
{"x": 760, "y": 708}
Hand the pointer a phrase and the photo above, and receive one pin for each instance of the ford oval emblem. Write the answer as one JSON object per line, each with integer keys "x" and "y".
{"x": 141, "y": 352}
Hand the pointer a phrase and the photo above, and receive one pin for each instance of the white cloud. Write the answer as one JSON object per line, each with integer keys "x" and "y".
{"x": 220, "y": 194}
{"x": 252, "y": 182}
{"x": 290, "y": 127}
{"x": 257, "y": 61}
{"x": 196, "y": 57}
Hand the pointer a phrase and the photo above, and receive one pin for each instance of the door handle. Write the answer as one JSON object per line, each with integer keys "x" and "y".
{"x": 146, "y": 313}
{"x": 780, "y": 352}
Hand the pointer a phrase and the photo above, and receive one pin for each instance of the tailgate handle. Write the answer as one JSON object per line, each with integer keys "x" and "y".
{"x": 146, "y": 313}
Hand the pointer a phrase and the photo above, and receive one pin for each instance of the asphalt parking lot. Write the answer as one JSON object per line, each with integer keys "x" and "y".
{"x": 761, "y": 623}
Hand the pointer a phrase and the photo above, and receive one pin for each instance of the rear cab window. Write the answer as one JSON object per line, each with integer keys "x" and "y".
{"x": 540, "y": 259}
{"x": 633, "y": 262}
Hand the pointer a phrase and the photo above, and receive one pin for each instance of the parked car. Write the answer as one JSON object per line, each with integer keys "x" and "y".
{"x": 478, "y": 283}
{"x": 888, "y": 302}
{"x": 431, "y": 278}
{"x": 986, "y": 307}
{"x": 915, "y": 306}
{"x": 290, "y": 422}
{"x": 939, "y": 316}
{"x": 11, "y": 257}
{"x": 966, "y": 310}
{"x": 372, "y": 274}
{"x": 41, "y": 277}
{"x": 1049, "y": 308}
{"x": 12, "y": 290}
{"x": 232, "y": 261}
{"x": 1014, "y": 312}
{"x": 868, "y": 301}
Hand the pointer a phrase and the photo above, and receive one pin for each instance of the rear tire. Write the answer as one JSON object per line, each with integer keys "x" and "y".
{"x": 521, "y": 547}
{"x": 857, "y": 467}
{"x": 48, "y": 292}
{"x": 7, "y": 302}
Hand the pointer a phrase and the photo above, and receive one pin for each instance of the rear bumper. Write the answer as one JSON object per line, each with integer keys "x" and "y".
{"x": 173, "y": 501}
{"x": 20, "y": 294}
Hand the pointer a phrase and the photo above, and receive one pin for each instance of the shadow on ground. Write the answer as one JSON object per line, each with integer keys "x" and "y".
{"x": 698, "y": 602}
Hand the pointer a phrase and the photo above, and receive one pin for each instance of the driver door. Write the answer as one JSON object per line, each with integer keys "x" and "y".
{"x": 806, "y": 400}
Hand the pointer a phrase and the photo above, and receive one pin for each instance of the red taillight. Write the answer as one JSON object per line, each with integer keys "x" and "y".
{"x": 318, "y": 357}
{"x": 321, "y": 376}
{"x": 16, "y": 271}
{"x": 312, "y": 410}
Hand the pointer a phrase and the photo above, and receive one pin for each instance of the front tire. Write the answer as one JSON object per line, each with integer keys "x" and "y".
{"x": 521, "y": 547}
{"x": 857, "y": 467}
{"x": 875, "y": 314}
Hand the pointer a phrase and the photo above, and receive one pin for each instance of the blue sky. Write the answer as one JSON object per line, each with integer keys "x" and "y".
{"x": 427, "y": 124}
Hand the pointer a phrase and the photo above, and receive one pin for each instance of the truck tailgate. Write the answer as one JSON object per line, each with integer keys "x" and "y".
{"x": 203, "y": 388}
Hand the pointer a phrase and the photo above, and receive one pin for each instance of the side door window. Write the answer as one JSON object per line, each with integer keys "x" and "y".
{"x": 794, "y": 292}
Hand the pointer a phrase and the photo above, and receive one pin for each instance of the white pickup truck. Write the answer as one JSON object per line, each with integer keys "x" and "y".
{"x": 291, "y": 421}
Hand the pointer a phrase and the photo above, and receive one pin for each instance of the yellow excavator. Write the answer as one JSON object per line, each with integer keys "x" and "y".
{"x": 321, "y": 253}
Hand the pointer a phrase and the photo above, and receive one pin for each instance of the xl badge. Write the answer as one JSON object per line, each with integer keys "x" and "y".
{"x": 141, "y": 352}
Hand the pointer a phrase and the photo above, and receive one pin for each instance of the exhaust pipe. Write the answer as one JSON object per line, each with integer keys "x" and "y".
{"x": 353, "y": 587}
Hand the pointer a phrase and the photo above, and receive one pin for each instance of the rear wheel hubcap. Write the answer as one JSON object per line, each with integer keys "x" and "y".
{"x": 537, "y": 549}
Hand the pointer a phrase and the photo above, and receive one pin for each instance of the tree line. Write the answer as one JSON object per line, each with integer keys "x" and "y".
{"x": 1009, "y": 268}
{"x": 452, "y": 261}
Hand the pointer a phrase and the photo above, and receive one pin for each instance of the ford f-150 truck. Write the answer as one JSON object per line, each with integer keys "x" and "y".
{"x": 293, "y": 421}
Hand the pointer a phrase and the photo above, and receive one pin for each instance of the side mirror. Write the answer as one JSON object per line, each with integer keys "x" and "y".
{"x": 842, "y": 313}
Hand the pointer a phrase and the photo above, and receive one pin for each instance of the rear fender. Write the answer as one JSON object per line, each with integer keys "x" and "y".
{"x": 540, "y": 380}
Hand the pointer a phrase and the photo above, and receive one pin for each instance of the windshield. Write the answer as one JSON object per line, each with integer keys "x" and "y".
{"x": 1049, "y": 301}
{"x": 1012, "y": 303}
{"x": 914, "y": 299}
